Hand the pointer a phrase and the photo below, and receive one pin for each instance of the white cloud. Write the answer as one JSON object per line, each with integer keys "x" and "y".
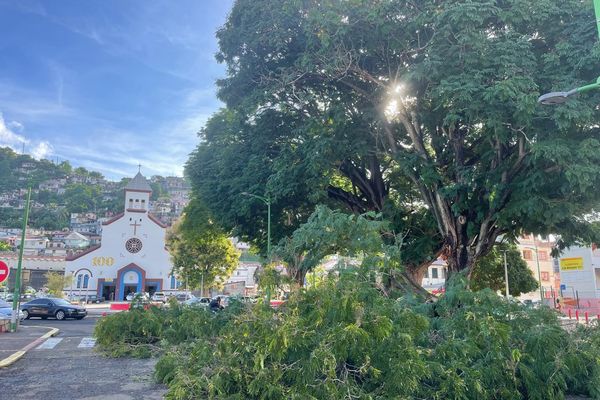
{"x": 41, "y": 150}
{"x": 8, "y": 137}
{"x": 15, "y": 141}
{"x": 16, "y": 125}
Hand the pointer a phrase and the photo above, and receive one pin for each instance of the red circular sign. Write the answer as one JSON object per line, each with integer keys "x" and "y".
{"x": 4, "y": 271}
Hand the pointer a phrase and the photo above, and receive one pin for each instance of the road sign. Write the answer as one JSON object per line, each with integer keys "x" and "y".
{"x": 4, "y": 271}
{"x": 563, "y": 287}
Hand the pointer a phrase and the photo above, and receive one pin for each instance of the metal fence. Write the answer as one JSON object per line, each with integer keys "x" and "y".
{"x": 572, "y": 302}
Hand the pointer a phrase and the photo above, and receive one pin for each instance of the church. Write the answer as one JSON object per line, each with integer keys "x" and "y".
{"x": 131, "y": 257}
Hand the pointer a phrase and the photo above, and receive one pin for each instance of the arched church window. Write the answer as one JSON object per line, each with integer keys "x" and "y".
{"x": 86, "y": 280}
{"x": 79, "y": 277}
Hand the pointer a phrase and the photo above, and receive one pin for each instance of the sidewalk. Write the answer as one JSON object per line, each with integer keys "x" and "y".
{"x": 14, "y": 345}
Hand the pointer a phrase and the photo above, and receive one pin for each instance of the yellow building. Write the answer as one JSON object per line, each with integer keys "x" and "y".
{"x": 536, "y": 250}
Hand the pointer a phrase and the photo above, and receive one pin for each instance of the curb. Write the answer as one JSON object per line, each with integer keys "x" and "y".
{"x": 8, "y": 361}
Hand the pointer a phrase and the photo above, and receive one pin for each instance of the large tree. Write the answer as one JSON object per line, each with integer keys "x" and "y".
{"x": 379, "y": 100}
{"x": 200, "y": 250}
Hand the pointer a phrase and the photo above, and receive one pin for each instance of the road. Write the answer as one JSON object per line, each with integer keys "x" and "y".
{"x": 67, "y": 367}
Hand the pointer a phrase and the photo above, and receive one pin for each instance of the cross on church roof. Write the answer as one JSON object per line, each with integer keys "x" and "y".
{"x": 139, "y": 167}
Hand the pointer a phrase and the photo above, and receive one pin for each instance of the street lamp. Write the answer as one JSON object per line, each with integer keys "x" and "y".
{"x": 267, "y": 201}
{"x": 537, "y": 259}
{"x": 560, "y": 97}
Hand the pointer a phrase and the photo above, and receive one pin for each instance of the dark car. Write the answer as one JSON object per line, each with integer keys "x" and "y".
{"x": 92, "y": 298}
{"x": 51, "y": 307}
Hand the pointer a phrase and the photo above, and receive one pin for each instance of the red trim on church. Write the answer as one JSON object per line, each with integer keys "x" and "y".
{"x": 157, "y": 221}
{"x": 83, "y": 253}
{"x": 138, "y": 190}
{"x": 137, "y": 210}
{"x": 116, "y": 217}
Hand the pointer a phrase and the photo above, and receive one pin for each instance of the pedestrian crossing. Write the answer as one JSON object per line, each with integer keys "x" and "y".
{"x": 66, "y": 343}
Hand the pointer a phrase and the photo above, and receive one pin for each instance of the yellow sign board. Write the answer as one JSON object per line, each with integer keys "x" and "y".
{"x": 103, "y": 261}
{"x": 571, "y": 264}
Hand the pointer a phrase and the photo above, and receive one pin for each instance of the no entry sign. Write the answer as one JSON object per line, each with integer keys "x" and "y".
{"x": 3, "y": 271}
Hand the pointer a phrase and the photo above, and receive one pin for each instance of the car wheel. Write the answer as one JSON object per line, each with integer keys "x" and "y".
{"x": 60, "y": 315}
{"x": 25, "y": 314}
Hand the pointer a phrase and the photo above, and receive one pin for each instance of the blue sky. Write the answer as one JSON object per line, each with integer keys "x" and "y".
{"x": 108, "y": 84}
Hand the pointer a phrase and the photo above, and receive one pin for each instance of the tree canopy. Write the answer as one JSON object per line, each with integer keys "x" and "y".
{"x": 425, "y": 111}
{"x": 489, "y": 272}
{"x": 200, "y": 250}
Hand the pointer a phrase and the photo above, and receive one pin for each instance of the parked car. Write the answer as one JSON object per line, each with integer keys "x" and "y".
{"x": 24, "y": 297}
{"x": 198, "y": 302}
{"x": 224, "y": 299}
{"x": 159, "y": 296}
{"x": 92, "y": 298}
{"x": 181, "y": 297}
{"x": 52, "y": 307}
{"x": 142, "y": 295}
{"x": 6, "y": 310}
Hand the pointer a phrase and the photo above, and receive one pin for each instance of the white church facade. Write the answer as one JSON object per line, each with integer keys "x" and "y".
{"x": 131, "y": 257}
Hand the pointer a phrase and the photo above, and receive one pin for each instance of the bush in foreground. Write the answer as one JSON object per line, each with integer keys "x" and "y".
{"x": 345, "y": 340}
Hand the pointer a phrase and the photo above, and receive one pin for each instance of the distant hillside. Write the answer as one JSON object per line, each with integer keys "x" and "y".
{"x": 57, "y": 191}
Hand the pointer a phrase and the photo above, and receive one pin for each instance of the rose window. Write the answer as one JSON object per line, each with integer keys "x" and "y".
{"x": 133, "y": 245}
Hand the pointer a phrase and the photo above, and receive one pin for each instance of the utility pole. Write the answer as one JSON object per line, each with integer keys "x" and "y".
{"x": 17, "y": 291}
{"x": 202, "y": 285}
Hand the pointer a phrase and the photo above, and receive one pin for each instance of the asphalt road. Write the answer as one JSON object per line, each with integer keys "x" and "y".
{"x": 67, "y": 367}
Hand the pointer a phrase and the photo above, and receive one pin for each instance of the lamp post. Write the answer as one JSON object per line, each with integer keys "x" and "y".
{"x": 267, "y": 201}
{"x": 505, "y": 273}
{"x": 17, "y": 291}
{"x": 561, "y": 97}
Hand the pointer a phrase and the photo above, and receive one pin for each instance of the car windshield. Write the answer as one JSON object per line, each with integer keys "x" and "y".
{"x": 4, "y": 304}
{"x": 62, "y": 302}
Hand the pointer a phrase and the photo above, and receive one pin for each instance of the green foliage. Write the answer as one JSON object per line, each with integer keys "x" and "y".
{"x": 329, "y": 232}
{"x": 143, "y": 332}
{"x": 200, "y": 250}
{"x": 489, "y": 272}
{"x": 19, "y": 171}
{"x": 4, "y": 246}
{"x": 56, "y": 282}
{"x": 424, "y": 111}
{"x": 343, "y": 338}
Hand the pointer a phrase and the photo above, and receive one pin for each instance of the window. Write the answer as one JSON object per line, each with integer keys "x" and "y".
{"x": 542, "y": 255}
{"x": 426, "y": 274}
{"x": 434, "y": 273}
{"x": 545, "y": 276}
{"x": 527, "y": 254}
{"x": 86, "y": 280}
{"x": 173, "y": 283}
{"x": 79, "y": 278}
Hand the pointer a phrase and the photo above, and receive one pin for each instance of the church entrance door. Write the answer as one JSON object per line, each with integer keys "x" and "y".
{"x": 108, "y": 292}
{"x": 129, "y": 289}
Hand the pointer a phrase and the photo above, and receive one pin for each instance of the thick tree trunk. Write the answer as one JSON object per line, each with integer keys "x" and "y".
{"x": 298, "y": 276}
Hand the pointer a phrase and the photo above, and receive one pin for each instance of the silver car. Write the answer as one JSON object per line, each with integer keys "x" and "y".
{"x": 6, "y": 311}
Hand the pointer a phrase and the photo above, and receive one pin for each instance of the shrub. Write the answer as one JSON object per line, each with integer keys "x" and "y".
{"x": 344, "y": 339}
